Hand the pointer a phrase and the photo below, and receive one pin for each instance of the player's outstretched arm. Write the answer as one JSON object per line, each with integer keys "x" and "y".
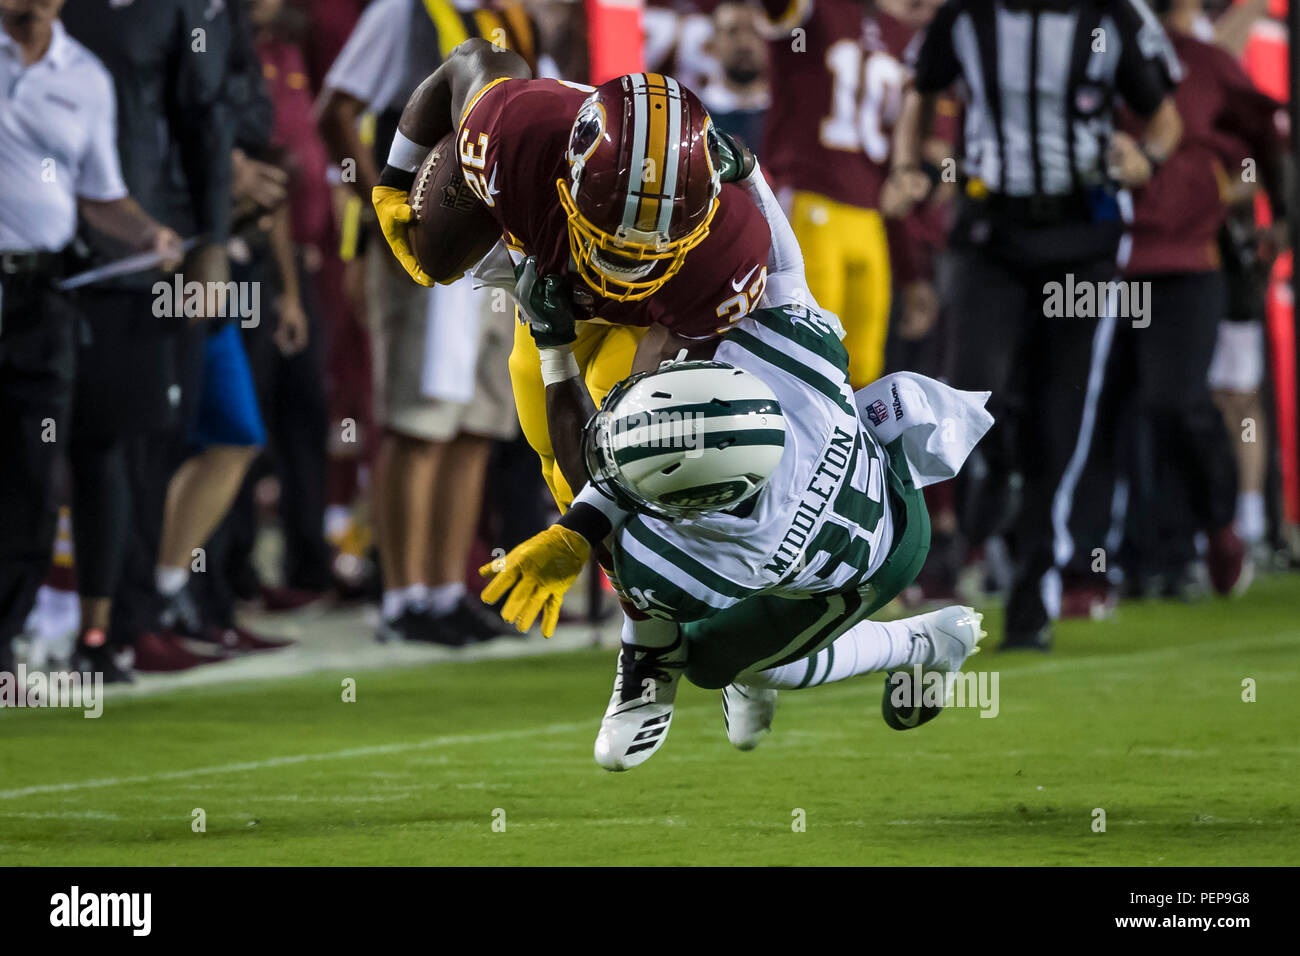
{"x": 430, "y": 114}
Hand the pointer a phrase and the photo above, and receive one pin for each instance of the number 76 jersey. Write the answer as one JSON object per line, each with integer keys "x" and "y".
{"x": 838, "y": 79}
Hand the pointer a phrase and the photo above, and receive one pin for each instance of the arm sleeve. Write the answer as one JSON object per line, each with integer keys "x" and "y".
{"x": 936, "y": 66}
{"x": 99, "y": 177}
{"x": 200, "y": 124}
{"x": 785, "y": 257}
{"x": 1148, "y": 67}
{"x": 1253, "y": 117}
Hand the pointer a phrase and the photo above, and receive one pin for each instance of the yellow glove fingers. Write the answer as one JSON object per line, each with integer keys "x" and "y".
{"x": 394, "y": 214}
{"x": 534, "y": 577}
{"x": 531, "y": 608}
{"x": 551, "y": 614}
{"x": 499, "y": 585}
{"x": 419, "y": 275}
{"x": 512, "y": 610}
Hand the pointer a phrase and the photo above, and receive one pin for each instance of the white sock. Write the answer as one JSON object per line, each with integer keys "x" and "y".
{"x": 865, "y": 647}
{"x": 444, "y": 597}
{"x": 416, "y": 597}
{"x": 169, "y": 581}
{"x": 394, "y": 603}
{"x": 1252, "y": 521}
{"x": 652, "y": 632}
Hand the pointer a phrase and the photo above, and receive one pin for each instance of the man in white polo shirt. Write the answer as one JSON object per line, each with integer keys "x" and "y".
{"x": 440, "y": 356}
{"x": 58, "y": 150}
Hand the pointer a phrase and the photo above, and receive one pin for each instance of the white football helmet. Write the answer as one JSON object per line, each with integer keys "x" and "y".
{"x": 689, "y": 438}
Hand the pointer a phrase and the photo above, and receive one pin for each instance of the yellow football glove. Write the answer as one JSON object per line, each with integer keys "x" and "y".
{"x": 394, "y": 213}
{"x": 537, "y": 574}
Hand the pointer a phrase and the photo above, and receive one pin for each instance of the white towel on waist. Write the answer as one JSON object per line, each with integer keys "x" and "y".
{"x": 939, "y": 425}
{"x": 451, "y": 341}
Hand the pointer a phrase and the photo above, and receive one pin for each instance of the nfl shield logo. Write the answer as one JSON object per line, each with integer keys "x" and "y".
{"x": 878, "y": 412}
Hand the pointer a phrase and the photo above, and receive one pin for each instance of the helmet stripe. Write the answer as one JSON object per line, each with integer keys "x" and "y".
{"x": 757, "y": 436}
{"x": 658, "y": 110}
{"x": 712, "y": 410}
{"x": 672, "y": 156}
{"x": 657, "y": 128}
{"x": 639, "y": 133}
{"x": 687, "y": 435}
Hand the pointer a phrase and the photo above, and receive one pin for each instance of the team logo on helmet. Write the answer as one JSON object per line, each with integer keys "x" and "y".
{"x": 588, "y": 128}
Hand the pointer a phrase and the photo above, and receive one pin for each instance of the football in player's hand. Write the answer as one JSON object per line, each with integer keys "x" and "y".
{"x": 451, "y": 229}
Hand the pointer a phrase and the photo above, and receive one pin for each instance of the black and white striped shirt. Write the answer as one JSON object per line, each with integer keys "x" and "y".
{"x": 1039, "y": 80}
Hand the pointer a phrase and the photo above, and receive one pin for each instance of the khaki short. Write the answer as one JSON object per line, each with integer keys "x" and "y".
{"x": 398, "y": 323}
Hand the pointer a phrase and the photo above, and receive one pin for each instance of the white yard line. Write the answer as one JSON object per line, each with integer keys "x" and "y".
{"x": 448, "y": 740}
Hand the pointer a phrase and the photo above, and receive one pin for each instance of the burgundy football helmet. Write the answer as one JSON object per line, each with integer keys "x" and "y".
{"x": 643, "y": 184}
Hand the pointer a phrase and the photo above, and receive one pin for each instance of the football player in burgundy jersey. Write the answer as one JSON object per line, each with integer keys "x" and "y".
{"x": 618, "y": 207}
{"x": 826, "y": 146}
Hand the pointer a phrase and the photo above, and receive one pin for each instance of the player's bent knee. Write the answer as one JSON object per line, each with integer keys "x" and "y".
{"x": 709, "y": 670}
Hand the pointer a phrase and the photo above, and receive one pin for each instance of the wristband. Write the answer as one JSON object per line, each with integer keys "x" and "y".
{"x": 559, "y": 365}
{"x": 404, "y": 154}
{"x": 593, "y": 497}
{"x": 588, "y": 521}
{"x": 397, "y": 178}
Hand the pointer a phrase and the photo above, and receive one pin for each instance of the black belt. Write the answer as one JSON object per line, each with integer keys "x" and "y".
{"x": 1040, "y": 210}
{"x": 30, "y": 264}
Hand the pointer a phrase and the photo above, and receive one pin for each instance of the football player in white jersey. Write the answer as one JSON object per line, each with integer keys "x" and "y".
{"x": 752, "y": 512}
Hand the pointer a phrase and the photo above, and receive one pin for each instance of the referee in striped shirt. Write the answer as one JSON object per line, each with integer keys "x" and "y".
{"x": 1045, "y": 181}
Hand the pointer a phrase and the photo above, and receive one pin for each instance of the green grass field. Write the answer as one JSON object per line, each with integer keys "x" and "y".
{"x": 1141, "y": 716}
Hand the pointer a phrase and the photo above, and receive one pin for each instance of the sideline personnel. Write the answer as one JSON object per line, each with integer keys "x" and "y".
{"x": 58, "y": 148}
{"x": 1044, "y": 185}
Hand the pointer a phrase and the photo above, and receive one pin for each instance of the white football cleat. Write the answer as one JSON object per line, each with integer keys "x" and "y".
{"x": 747, "y": 711}
{"x": 641, "y": 708}
{"x": 954, "y": 634}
